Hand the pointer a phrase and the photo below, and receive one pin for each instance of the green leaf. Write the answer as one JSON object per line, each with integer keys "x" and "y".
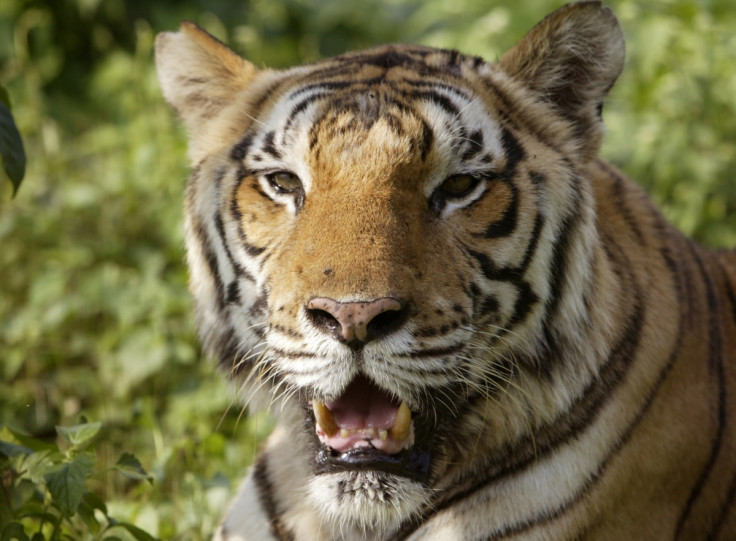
{"x": 4, "y": 97}
{"x": 79, "y": 434}
{"x": 11, "y": 148}
{"x": 14, "y": 531}
{"x": 95, "y": 502}
{"x": 139, "y": 534}
{"x": 131, "y": 467}
{"x": 87, "y": 514}
{"x": 11, "y": 449}
{"x": 14, "y": 436}
{"x": 67, "y": 483}
{"x": 36, "y": 466}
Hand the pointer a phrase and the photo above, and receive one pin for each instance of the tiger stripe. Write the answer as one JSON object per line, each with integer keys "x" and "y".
{"x": 447, "y": 245}
{"x": 266, "y": 496}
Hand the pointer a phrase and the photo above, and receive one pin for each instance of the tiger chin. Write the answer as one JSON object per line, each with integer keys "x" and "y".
{"x": 468, "y": 325}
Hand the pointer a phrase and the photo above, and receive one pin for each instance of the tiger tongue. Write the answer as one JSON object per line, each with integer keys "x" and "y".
{"x": 363, "y": 405}
{"x": 364, "y": 416}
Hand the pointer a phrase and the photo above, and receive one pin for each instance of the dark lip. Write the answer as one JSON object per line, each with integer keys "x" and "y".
{"x": 412, "y": 463}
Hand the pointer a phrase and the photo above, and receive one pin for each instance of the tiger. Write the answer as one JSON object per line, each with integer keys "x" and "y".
{"x": 467, "y": 325}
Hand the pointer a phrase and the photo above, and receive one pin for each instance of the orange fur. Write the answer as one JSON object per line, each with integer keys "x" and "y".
{"x": 566, "y": 355}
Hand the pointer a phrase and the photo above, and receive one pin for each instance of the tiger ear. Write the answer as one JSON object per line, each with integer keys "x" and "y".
{"x": 198, "y": 74}
{"x": 571, "y": 60}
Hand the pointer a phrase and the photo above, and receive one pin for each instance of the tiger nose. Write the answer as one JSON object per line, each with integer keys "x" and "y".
{"x": 353, "y": 322}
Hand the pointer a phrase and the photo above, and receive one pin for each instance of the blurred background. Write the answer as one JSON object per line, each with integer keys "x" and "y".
{"x": 95, "y": 318}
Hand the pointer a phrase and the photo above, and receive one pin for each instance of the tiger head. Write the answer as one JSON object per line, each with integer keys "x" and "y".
{"x": 396, "y": 247}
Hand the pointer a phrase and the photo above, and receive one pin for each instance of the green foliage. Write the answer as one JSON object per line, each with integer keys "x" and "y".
{"x": 95, "y": 317}
{"x": 12, "y": 154}
{"x": 44, "y": 488}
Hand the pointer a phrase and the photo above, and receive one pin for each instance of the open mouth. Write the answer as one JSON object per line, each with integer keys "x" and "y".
{"x": 367, "y": 429}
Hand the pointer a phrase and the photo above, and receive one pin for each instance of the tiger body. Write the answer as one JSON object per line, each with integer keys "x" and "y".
{"x": 425, "y": 235}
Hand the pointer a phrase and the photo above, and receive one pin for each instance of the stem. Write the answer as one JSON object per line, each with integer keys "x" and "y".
{"x": 7, "y": 480}
{"x": 57, "y": 528}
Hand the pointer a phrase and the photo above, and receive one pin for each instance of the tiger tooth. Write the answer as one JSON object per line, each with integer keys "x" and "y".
{"x": 401, "y": 423}
{"x": 344, "y": 433}
{"x": 324, "y": 418}
{"x": 382, "y": 434}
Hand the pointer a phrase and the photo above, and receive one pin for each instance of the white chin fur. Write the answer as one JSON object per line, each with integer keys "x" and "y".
{"x": 367, "y": 504}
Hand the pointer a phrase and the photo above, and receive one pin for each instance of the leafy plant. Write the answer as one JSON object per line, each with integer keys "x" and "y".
{"x": 95, "y": 317}
{"x": 44, "y": 488}
{"x": 12, "y": 153}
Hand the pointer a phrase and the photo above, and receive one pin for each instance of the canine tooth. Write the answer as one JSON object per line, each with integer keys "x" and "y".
{"x": 401, "y": 424}
{"x": 324, "y": 418}
{"x": 382, "y": 434}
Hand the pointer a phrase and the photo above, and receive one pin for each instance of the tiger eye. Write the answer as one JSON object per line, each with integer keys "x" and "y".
{"x": 284, "y": 181}
{"x": 458, "y": 185}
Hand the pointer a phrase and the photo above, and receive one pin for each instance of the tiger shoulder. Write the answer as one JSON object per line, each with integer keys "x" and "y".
{"x": 468, "y": 326}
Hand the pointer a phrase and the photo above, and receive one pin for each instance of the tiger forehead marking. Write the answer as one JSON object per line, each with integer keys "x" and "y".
{"x": 470, "y": 327}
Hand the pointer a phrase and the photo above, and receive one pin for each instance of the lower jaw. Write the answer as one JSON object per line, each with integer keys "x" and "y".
{"x": 365, "y": 504}
{"x": 412, "y": 463}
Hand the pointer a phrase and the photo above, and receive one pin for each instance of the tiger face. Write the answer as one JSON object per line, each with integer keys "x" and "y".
{"x": 401, "y": 249}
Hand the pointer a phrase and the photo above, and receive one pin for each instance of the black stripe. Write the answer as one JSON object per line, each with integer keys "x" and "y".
{"x": 715, "y": 362}
{"x": 287, "y": 332}
{"x": 438, "y": 99}
{"x": 259, "y": 306}
{"x": 225, "y": 349}
{"x": 426, "y": 139}
{"x": 437, "y": 352}
{"x": 513, "y": 151}
{"x": 531, "y": 247}
{"x": 558, "y": 268}
{"x": 239, "y": 151}
{"x": 407, "y": 374}
{"x": 474, "y": 145}
{"x": 490, "y": 270}
{"x": 507, "y": 224}
{"x": 531, "y": 124}
{"x": 269, "y": 147}
{"x": 490, "y": 305}
{"x": 423, "y": 83}
{"x": 537, "y": 178}
{"x": 276, "y": 352}
{"x": 238, "y": 217}
{"x": 211, "y": 259}
{"x": 302, "y": 106}
{"x": 269, "y": 92}
{"x": 266, "y": 497}
{"x": 549, "y": 516}
{"x": 233, "y": 293}
{"x": 392, "y": 58}
{"x": 513, "y": 275}
{"x": 724, "y": 513}
{"x": 252, "y": 250}
{"x": 322, "y": 85}
{"x": 220, "y": 226}
{"x": 731, "y": 296}
{"x": 568, "y": 424}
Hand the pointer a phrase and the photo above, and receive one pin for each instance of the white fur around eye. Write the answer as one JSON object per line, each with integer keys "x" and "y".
{"x": 455, "y": 203}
